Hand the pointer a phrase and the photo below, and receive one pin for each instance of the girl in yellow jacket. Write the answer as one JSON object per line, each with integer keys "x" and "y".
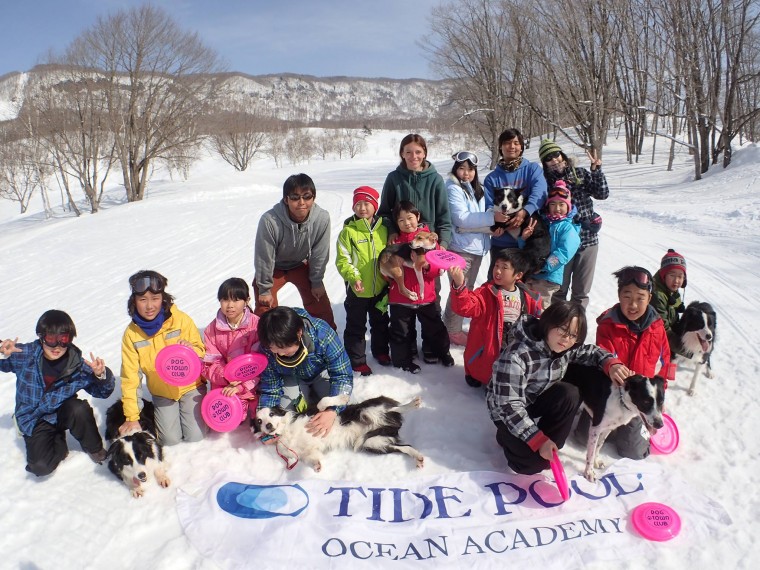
{"x": 157, "y": 323}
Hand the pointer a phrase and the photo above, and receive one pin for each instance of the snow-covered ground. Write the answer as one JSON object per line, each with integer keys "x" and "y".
{"x": 200, "y": 231}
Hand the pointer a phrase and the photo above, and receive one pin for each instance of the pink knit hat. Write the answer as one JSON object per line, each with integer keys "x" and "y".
{"x": 560, "y": 193}
{"x": 366, "y": 194}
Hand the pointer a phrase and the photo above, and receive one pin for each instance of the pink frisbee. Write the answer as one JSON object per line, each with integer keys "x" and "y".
{"x": 221, "y": 413}
{"x": 178, "y": 365}
{"x": 666, "y": 439}
{"x": 559, "y": 476}
{"x": 655, "y": 521}
{"x": 245, "y": 367}
{"x": 442, "y": 259}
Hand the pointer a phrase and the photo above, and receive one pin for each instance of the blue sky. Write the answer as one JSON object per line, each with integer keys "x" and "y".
{"x": 363, "y": 38}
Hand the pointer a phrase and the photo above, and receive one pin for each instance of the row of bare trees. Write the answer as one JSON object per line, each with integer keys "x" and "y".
{"x": 686, "y": 70}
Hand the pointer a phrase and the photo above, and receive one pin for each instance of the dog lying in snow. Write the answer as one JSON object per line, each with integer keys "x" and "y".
{"x": 132, "y": 456}
{"x": 372, "y": 425}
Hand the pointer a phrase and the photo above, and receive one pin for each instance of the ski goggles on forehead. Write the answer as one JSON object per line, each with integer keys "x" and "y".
{"x": 54, "y": 340}
{"x": 465, "y": 155}
{"x": 642, "y": 279}
{"x": 149, "y": 283}
{"x": 559, "y": 193}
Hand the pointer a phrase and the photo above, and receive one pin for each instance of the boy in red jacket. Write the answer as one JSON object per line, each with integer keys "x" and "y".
{"x": 633, "y": 331}
{"x": 493, "y": 307}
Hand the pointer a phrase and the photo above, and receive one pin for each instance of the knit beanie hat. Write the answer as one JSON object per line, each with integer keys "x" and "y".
{"x": 547, "y": 147}
{"x": 559, "y": 192}
{"x": 673, "y": 260}
{"x": 366, "y": 194}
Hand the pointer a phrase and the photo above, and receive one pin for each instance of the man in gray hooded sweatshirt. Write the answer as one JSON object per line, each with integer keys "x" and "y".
{"x": 293, "y": 246}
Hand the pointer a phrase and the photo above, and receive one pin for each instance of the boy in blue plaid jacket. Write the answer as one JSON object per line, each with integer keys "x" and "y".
{"x": 307, "y": 362}
{"x": 49, "y": 373}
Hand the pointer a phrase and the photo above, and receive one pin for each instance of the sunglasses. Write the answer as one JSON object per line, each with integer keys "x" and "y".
{"x": 463, "y": 155}
{"x": 304, "y": 197}
{"x": 54, "y": 340}
{"x": 639, "y": 277}
{"x": 150, "y": 283}
{"x": 552, "y": 155}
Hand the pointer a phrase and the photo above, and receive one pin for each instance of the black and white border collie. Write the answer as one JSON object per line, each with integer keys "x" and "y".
{"x": 372, "y": 425}
{"x": 133, "y": 456}
{"x": 509, "y": 200}
{"x": 612, "y": 406}
{"x": 694, "y": 338}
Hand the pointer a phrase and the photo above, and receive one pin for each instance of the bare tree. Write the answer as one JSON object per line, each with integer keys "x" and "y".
{"x": 326, "y": 143}
{"x": 159, "y": 83}
{"x": 299, "y": 146}
{"x": 352, "y": 142}
{"x": 480, "y": 45}
{"x": 70, "y": 118}
{"x": 19, "y": 175}
{"x": 237, "y": 136}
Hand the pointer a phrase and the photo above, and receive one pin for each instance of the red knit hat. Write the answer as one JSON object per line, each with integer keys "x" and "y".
{"x": 673, "y": 260}
{"x": 366, "y": 194}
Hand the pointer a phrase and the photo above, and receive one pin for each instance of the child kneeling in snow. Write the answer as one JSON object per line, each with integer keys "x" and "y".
{"x": 232, "y": 333}
{"x": 49, "y": 373}
{"x": 533, "y": 410}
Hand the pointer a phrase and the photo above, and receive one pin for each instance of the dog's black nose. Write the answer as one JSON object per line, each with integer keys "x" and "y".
{"x": 270, "y": 427}
{"x": 142, "y": 476}
{"x": 657, "y": 423}
{"x": 708, "y": 336}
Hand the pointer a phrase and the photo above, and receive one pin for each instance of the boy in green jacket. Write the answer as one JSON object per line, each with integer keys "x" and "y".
{"x": 360, "y": 242}
{"x": 666, "y": 299}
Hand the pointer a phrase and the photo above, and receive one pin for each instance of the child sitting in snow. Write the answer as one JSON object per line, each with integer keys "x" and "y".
{"x": 49, "y": 373}
{"x": 558, "y": 214}
{"x": 232, "y": 333}
{"x": 493, "y": 307}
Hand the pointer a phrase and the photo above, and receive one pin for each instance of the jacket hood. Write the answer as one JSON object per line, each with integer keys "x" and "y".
{"x": 526, "y": 331}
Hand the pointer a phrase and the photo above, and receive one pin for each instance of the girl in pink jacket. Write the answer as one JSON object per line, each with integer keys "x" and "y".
{"x": 233, "y": 332}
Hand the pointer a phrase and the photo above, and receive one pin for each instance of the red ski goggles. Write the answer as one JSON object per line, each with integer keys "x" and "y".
{"x": 54, "y": 340}
{"x": 637, "y": 276}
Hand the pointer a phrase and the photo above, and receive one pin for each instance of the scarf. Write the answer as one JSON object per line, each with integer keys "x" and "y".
{"x": 149, "y": 327}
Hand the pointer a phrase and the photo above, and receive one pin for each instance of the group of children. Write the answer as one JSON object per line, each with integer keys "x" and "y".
{"x": 518, "y": 345}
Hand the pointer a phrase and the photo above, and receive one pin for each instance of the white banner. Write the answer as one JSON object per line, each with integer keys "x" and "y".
{"x": 477, "y": 519}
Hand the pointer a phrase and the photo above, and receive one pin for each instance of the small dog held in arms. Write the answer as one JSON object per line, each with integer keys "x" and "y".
{"x": 395, "y": 257}
{"x": 509, "y": 200}
{"x": 133, "y": 456}
{"x": 372, "y": 425}
{"x": 694, "y": 339}
{"x": 612, "y": 406}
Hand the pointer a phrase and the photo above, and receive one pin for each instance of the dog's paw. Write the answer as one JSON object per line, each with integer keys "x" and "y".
{"x": 709, "y": 374}
{"x": 137, "y": 492}
{"x": 599, "y": 464}
{"x": 691, "y": 392}
{"x": 417, "y": 402}
{"x": 420, "y": 461}
{"x": 163, "y": 480}
{"x": 411, "y": 295}
{"x": 317, "y": 466}
{"x": 590, "y": 474}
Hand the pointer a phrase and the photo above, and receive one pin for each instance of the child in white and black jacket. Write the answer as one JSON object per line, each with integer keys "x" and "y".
{"x": 527, "y": 385}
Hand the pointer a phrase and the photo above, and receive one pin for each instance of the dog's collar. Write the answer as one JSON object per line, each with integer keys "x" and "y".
{"x": 622, "y": 401}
